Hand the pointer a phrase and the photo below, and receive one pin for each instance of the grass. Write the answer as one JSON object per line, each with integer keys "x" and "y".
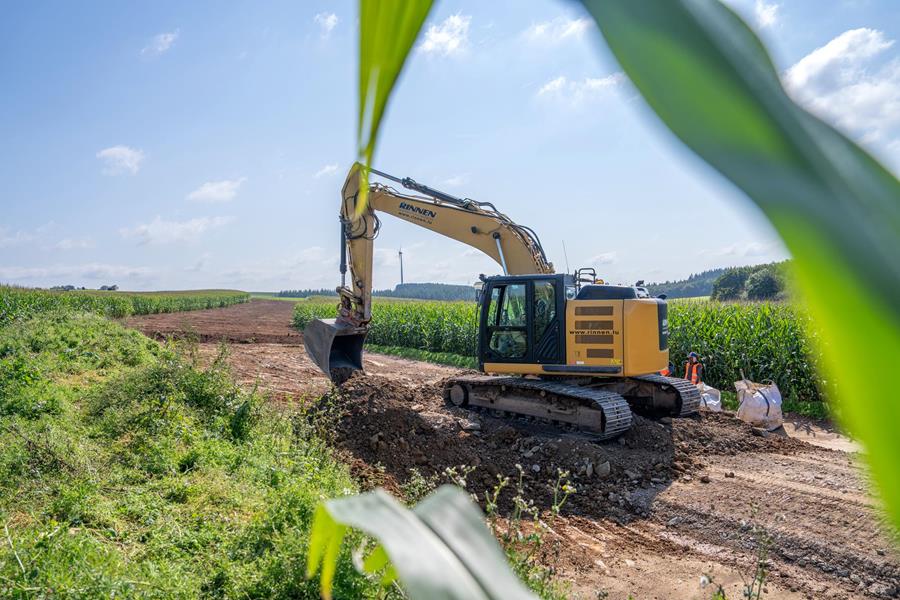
{"x": 128, "y": 470}
{"x": 440, "y": 358}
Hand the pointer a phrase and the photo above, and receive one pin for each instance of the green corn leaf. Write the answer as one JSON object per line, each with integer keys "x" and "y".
{"x": 441, "y": 549}
{"x": 387, "y": 32}
{"x": 376, "y": 560}
{"x": 450, "y": 514}
{"x": 710, "y": 80}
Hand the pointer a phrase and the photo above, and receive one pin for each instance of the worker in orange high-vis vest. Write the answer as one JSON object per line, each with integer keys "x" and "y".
{"x": 693, "y": 369}
{"x": 669, "y": 371}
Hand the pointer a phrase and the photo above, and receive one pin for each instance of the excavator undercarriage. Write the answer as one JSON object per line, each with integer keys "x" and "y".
{"x": 594, "y": 407}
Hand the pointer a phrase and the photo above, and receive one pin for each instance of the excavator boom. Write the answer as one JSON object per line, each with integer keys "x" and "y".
{"x": 335, "y": 345}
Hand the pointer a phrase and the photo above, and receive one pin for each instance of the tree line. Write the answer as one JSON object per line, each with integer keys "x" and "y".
{"x": 418, "y": 291}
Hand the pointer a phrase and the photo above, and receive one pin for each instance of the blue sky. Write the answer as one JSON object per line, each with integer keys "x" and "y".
{"x": 173, "y": 145}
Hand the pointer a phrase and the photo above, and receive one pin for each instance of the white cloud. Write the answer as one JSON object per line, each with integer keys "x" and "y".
{"x": 74, "y": 244}
{"x": 577, "y": 92}
{"x": 450, "y": 37}
{"x": 747, "y": 249}
{"x": 606, "y": 258}
{"x": 160, "y": 43}
{"x": 97, "y": 271}
{"x": 309, "y": 267}
{"x": 9, "y": 239}
{"x": 558, "y": 30}
{"x": 456, "y": 180}
{"x": 159, "y": 231}
{"x": 326, "y": 171}
{"x": 121, "y": 159}
{"x": 766, "y": 13}
{"x": 852, "y": 82}
{"x": 217, "y": 191}
{"x": 326, "y": 22}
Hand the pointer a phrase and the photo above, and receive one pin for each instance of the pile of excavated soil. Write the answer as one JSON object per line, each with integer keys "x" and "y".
{"x": 389, "y": 429}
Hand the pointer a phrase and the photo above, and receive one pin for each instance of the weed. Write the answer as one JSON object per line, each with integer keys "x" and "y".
{"x": 417, "y": 486}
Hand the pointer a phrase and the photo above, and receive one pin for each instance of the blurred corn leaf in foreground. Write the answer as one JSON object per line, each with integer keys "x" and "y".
{"x": 710, "y": 80}
{"x": 439, "y": 549}
{"x": 387, "y": 32}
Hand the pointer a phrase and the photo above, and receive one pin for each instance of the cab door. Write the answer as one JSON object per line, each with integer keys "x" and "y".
{"x": 548, "y": 311}
{"x": 504, "y": 336}
{"x": 522, "y": 322}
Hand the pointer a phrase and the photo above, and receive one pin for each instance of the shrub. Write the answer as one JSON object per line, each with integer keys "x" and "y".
{"x": 764, "y": 284}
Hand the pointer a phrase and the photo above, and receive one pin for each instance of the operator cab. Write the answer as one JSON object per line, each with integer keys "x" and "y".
{"x": 523, "y": 318}
{"x": 562, "y": 323}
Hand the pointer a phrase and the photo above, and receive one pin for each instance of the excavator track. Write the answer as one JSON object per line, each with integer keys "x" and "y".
{"x": 687, "y": 392}
{"x": 595, "y": 413}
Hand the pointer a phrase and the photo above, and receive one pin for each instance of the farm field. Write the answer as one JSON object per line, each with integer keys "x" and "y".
{"x": 18, "y": 303}
{"x": 682, "y": 500}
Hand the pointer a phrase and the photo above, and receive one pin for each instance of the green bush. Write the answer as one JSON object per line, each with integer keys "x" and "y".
{"x": 764, "y": 284}
{"x": 730, "y": 284}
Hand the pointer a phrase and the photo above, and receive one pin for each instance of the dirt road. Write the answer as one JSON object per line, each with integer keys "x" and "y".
{"x": 681, "y": 500}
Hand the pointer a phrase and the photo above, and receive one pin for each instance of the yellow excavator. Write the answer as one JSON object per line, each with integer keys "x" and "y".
{"x": 559, "y": 348}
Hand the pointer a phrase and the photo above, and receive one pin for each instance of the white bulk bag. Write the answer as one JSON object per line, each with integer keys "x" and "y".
{"x": 710, "y": 398}
{"x": 760, "y": 404}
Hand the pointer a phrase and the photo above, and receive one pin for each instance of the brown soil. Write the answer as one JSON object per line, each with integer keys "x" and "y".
{"x": 682, "y": 499}
{"x": 257, "y": 321}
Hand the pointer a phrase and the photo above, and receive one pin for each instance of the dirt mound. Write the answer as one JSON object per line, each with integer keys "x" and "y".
{"x": 390, "y": 428}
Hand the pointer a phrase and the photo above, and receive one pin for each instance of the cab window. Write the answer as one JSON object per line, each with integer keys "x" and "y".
{"x": 513, "y": 313}
{"x": 494, "y": 306}
{"x": 508, "y": 321}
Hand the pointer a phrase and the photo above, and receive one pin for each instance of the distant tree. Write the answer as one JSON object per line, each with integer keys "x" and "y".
{"x": 418, "y": 291}
{"x": 764, "y": 284}
{"x": 698, "y": 284}
{"x": 730, "y": 284}
{"x": 429, "y": 291}
{"x": 305, "y": 293}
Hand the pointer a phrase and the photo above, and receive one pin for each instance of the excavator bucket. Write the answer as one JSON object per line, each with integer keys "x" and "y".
{"x": 336, "y": 348}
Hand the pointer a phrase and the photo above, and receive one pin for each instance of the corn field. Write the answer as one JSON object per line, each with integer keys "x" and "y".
{"x": 19, "y": 303}
{"x": 432, "y": 326}
{"x": 765, "y": 340}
